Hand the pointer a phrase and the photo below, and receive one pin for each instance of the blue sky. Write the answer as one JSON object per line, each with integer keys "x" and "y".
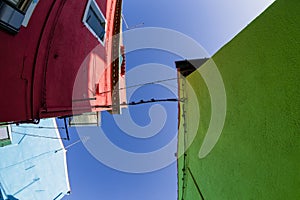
{"x": 212, "y": 23}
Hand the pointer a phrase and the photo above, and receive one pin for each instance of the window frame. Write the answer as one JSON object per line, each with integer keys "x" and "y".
{"x": 26, "y": 5}
{"x": 8, "y": 129}
{"x": 13, "y": 17}
{"x": 29, "y": 12}
{"x": 87, "y": 9}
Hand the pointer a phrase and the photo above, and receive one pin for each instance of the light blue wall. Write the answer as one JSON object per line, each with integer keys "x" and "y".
{"x": 34, "y": 167}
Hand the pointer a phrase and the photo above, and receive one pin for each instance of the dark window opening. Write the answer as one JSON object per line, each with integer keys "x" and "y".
{"x": 12, "y": 14}
{"x": 21, "y": 5}
{"x": 95, "y": 20}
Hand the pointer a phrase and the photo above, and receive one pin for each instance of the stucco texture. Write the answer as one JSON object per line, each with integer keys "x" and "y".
{"x": 257, "y": 154}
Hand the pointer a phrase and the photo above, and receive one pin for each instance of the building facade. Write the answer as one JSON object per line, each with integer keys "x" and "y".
{"x": 257, "y": 153}
{"x": 57, "y": 58}
{"x": 34, "y": 165}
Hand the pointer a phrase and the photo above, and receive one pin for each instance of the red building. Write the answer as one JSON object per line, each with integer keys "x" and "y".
{"x": 57, "y": 58}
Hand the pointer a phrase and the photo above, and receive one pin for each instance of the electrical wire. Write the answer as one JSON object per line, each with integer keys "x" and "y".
{"x": 142, "y": 84}
{"x": 39, "y": 136}
{"x": 41, "y": 127}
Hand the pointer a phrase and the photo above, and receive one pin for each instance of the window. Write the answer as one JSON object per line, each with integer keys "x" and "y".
{"x": 29, "y": 12}
{"x": 4, "y": 136}
{"x": 21, "y": 5}
{"x": 86, "y": 119}
{"x": 14, "y": 13}
{"x": 94, "y": 20}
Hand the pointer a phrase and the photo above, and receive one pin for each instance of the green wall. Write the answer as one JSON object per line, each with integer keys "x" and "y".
{"x": 258, "y": 153}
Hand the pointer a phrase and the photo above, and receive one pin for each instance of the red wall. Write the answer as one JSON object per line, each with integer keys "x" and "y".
{"x": 40, "y": 63}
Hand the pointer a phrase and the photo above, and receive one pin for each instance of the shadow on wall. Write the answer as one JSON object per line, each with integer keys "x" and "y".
{"x": 10, "y": 197}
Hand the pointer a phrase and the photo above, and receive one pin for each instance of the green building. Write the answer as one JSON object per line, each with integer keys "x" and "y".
{"x": 257, "y": 154}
